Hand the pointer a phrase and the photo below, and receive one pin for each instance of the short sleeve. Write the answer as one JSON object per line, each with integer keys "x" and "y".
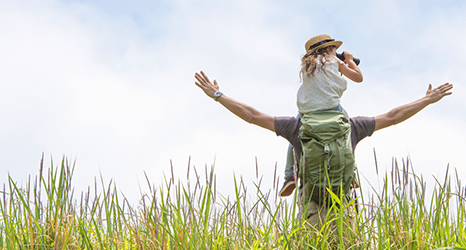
{"x": 288, "y": 128}
{"x": 361, "y": 127}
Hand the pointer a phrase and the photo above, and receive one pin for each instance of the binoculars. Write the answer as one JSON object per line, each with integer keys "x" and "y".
{"x": 342, "y": 57}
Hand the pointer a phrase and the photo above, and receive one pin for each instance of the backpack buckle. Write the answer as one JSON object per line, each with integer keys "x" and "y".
{"x": 326, "y": 149}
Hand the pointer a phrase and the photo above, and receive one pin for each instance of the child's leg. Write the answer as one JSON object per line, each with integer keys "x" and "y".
{"x": 341, "y": 109}
{"x": 290, "y": 179}
{"x": 289, "y": 162}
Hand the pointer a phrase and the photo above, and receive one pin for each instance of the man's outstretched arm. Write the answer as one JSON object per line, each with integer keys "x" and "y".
{"x": 404, "y": 112}
{"x": 243, "y": 111}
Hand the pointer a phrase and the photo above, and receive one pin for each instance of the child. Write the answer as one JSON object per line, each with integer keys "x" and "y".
{"x": 322, "y": 87}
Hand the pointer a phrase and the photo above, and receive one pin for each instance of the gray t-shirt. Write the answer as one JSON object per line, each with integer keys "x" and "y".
{"x": 288, "y": 128}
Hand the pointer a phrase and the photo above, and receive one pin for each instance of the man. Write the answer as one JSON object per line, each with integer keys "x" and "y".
{"x": 288, "y": 127}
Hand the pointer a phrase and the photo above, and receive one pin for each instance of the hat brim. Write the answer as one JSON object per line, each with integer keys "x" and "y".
{"x": 335, "y": 43}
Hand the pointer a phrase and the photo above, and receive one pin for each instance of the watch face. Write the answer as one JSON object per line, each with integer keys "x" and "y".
{"x": 217, "y": 95}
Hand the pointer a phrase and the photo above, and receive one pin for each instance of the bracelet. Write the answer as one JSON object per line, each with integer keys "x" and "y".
{"x": 217, "y": 95}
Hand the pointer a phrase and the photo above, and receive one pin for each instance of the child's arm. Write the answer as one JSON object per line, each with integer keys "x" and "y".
{"x": 351, "y": 71}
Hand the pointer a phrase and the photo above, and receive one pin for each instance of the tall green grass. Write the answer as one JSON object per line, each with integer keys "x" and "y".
{"x": 46, "y": 214}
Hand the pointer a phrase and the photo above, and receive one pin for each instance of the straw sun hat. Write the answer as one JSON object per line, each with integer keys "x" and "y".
{"x": 321, "y": 41}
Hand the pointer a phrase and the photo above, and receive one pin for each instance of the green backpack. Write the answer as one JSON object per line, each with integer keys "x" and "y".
{"x": 327, "y": 160}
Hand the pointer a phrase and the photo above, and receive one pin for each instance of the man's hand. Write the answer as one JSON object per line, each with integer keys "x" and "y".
{"x": 435, "y": 95}
{"x": 204, "y": 83}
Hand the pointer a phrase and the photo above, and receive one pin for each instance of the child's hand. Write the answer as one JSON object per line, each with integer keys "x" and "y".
{"x": 351, "y": 71}
{"x": 348, "y": 57}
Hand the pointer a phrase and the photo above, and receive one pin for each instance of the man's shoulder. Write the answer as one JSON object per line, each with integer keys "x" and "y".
{"x": 287, "y": 120}
{"x": 362, "y": 126}
{"x": 361, "y": 120}
{"x": 286, "y": 125}
{"x": 288, "y": 128}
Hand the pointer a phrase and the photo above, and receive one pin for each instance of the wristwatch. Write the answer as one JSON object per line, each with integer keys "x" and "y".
{"x": 217, "y": 95}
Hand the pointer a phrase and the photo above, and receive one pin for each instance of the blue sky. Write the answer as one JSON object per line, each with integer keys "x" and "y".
{"x": 110, "y": 84}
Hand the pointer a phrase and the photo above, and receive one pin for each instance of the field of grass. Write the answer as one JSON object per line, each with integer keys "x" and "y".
{"x": 46, "y": 214}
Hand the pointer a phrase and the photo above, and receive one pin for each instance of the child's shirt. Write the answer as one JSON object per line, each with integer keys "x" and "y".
{"x": 322, "y": 90}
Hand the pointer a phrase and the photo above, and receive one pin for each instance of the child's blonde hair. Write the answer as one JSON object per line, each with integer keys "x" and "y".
{"x": 310, "y": 60}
